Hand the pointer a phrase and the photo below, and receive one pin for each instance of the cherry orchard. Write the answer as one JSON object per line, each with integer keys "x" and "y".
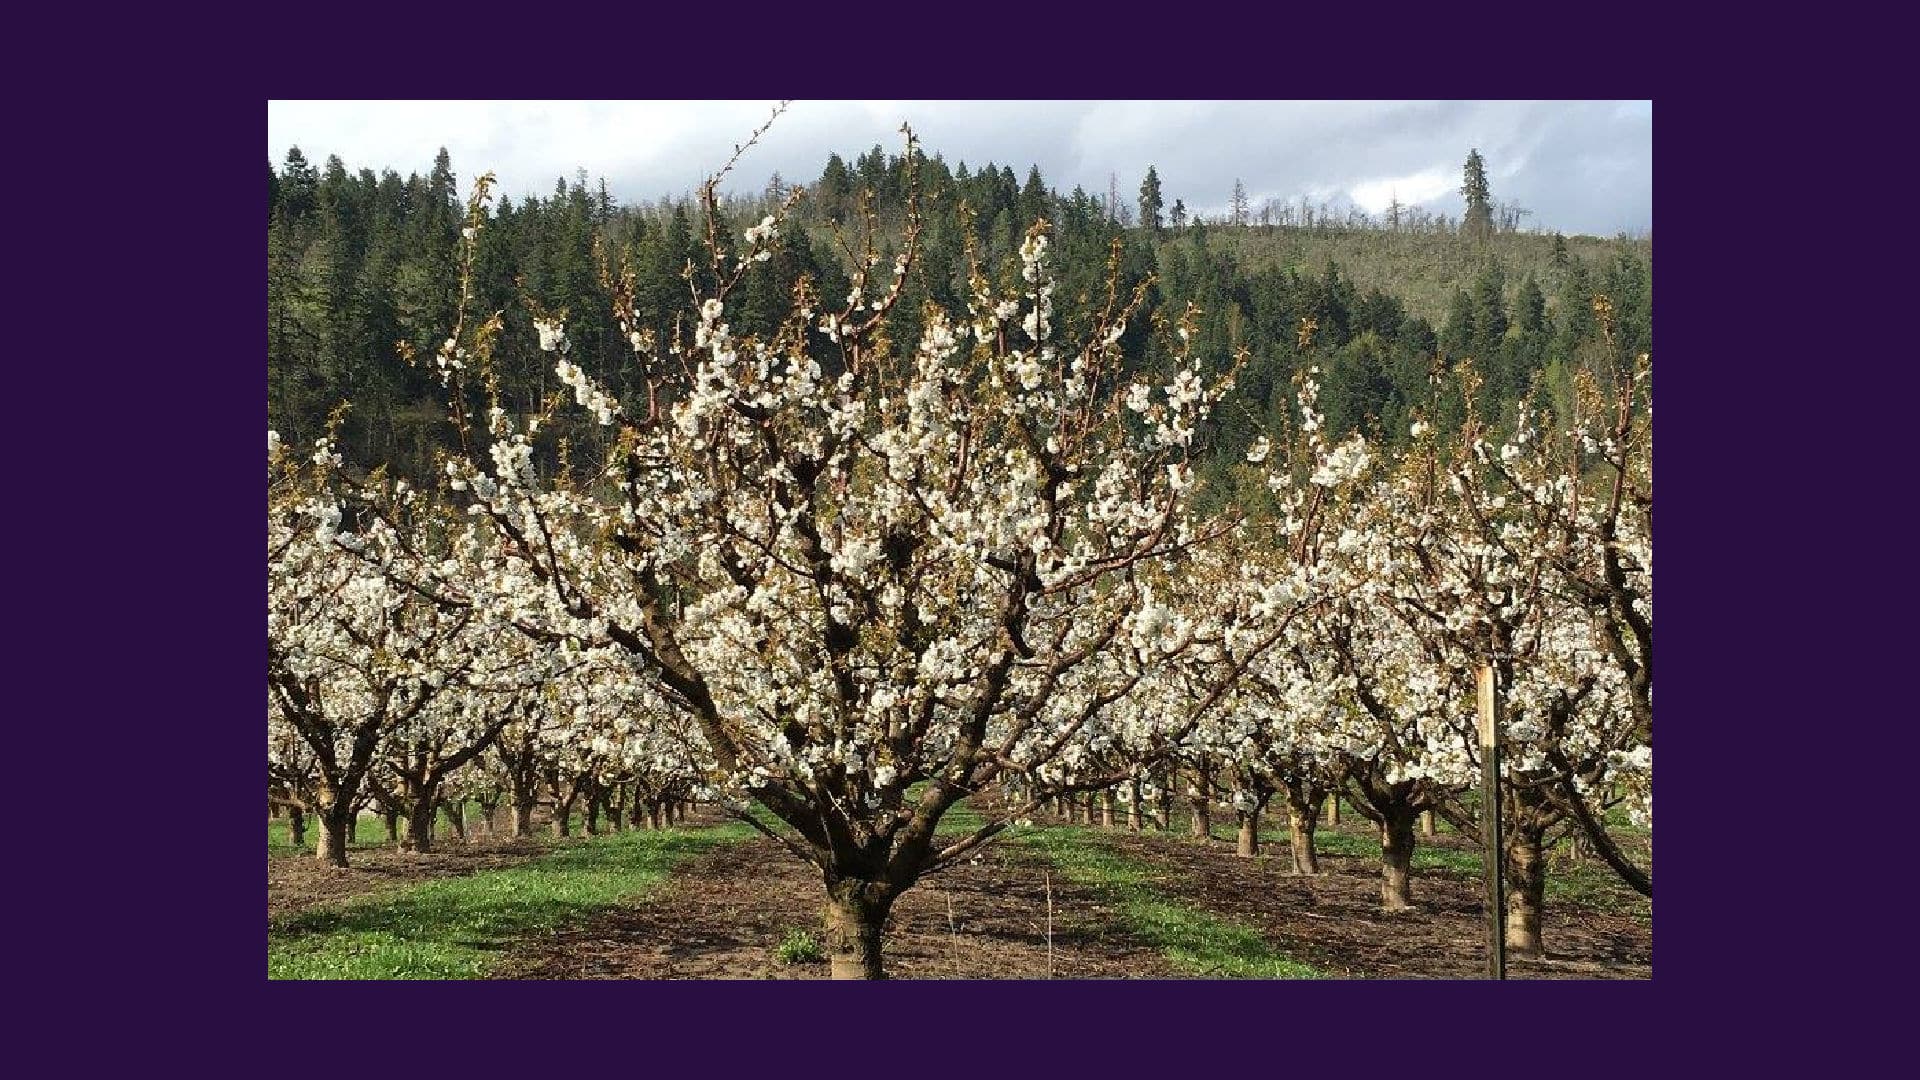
{"x": 837, "y": 579}
{"x": 878, "y": 580}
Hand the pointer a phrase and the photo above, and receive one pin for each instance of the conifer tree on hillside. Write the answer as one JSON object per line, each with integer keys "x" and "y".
{"x": 1150, "y": 204}
{"x": 1477, "y": 222}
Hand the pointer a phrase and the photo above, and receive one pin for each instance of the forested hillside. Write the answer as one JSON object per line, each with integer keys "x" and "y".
{"x": 361, "y": 273}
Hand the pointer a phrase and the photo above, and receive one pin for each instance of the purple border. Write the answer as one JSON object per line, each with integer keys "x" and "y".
{"x": 1185, "y": 1026}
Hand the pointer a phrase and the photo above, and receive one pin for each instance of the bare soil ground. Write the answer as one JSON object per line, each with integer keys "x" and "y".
{"x": 1334, "y": 921}
{"x": 721, "y": 917}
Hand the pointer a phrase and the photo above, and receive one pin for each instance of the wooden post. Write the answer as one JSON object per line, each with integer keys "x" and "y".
{"x": 1491, "y": 846}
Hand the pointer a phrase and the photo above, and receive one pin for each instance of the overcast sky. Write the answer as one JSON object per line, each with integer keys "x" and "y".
{"x": 1581, "y": 167}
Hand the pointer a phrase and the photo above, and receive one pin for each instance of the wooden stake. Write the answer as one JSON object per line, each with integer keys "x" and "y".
{"x": 1048, "y": 878}
{"x": 1491, "y": 846}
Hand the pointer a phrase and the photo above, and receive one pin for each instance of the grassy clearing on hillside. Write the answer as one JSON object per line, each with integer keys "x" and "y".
{"x": 454, "y": 928}
{"x": 1192, "y": 940}
{"x": 1422, "y": 270}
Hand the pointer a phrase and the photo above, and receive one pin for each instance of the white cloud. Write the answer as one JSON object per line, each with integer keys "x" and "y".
{"x": 1411, "y": 189}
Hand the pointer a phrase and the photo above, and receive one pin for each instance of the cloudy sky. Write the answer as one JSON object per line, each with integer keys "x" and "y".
{"x": 1581, "y": 167}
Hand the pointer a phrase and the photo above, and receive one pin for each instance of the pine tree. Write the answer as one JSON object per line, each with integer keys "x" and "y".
{"x": 1489, "y": 311}
{"x": 1033, "y": 198}
{"x": 834, "y": 192}
{"x": 1477, "y": 222}
{"x": 1457, "y": 334}
{"x": 1150, "y": 203}
{"x": 1179, "y": 214}
{"x": 298, "y": 184}
{"x": 1239, "y": 205}
{"x": 1530, "y": 311}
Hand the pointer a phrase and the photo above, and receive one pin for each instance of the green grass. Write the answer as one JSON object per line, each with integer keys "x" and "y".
{"x": 959, "y": 820}
{"x": 1590, "y": 885}
{"x": 799, "y": 947}
{"x": 455, "y": 928}
{"x": 1425, "y": 856}
{"x": 368, "y": 831}
{"x": 1595, "y": 886}
{"x": 1193, "y": 940}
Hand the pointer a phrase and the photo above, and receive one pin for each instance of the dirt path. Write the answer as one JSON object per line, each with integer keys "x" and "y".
{"x": 1335, "y": 923}
{"x": 720, "y": 917}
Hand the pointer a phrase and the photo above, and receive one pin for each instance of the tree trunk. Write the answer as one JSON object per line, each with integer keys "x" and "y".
{"x": 522, "y": 817}
{"x": 593, "y": 814}
{"x": 619, "y": 811}
{"x": 392, "y": 819}
{"x": 1106, "y": 808}
{"x": 1396, "y": 858}
{"x": 489, "y": 821}
{"x": 1427, "y": 826}
{"x": 456, "y": 812}
{"x": 1333, "y": 811}
{"x": 336, "y": 829}
{"x": 1202, "y": 824}
{"x": 420, "y": 817}
{"x": 297, "y": 827}
{"x": 1166, "y": 804}
{"x": 1133, "y": 807}
{"x": 1526, "y": 891}
{"x": 1303, "y": 815}
{"x": 1249, "y": 834}
{"x": 856, "y": 923}
{"x": 563, "y": 818}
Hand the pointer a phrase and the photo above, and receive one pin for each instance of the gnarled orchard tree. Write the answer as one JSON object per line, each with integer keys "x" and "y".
{"x": 871, "y": 571}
